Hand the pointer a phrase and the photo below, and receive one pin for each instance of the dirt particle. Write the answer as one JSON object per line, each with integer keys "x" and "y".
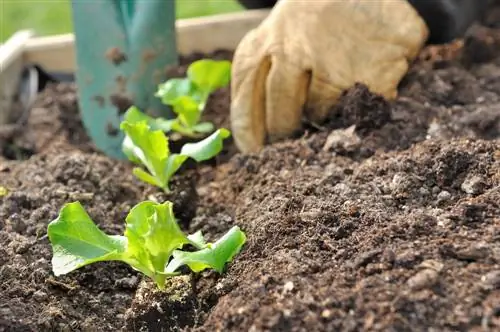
{"x": 491, "y": 280}
{"x": 432, "y": 264}
{"x": 115, "y": 55}
{"x": 16, "y": 223}
{"x": 121, "y": 102}
{"x": 469, "y": 213}
{"x": 423, "y": 279}
{"x": 443, "y": 196}
{"x": 473, "y": 185}
{"x": 472, "y": 253}
{"x": 481, "y": 45}
{"x": 326, "y": 313}
{"x": 360, "y": 107}
{"x": 121, "y": 83}
{"x": 78, "y": 196}
{"x": 437, "y": 55}
{"x": 406, "y": 259}
{"x": 149, "y": 55}
{"x": 402, "y": 184}
{"x": 367, "y": 257}
{"x": 154, "y": 310}
{"x": 111, "y": 130}
{"x": 288, "y": 287}
{"x": 101, "y": 102}
{"x": 128, "y": 282}
{"x": 40, "y": 296}
{"x": 343, "y": 141}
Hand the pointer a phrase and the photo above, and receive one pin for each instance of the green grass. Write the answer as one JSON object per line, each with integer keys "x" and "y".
{"x": 47, "y": 17}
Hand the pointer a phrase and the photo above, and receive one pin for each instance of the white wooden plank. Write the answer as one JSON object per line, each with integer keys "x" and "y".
{"x": 202, "y": 34}
{"x": 53, "y": 53}
{"x": 13, "y": 48}
{"x": 206, "y": 34}
{"x": 11, "y": 64}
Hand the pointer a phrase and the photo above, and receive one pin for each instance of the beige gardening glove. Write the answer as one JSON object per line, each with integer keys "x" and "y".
{"x": 305, "y": 53}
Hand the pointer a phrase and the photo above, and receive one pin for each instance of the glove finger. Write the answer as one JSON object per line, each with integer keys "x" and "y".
{"x": 286, "y": 93}
{"x": 322, "y": 96}
{"x": 248, "y": 103}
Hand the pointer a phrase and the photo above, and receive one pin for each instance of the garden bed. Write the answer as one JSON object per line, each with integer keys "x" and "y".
{"x": 393, "y": 224}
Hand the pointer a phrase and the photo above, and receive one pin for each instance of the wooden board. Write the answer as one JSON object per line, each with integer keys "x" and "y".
{"x": 11, "y": 63}
{"x": 203, "y": 34}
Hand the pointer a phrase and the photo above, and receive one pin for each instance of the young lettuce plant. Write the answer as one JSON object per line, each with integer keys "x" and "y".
{"x": 188, "y": 96}
{"x": 152, "y": 236}
{"x": 134, "y": 115}
{"x": 143, "y": 145}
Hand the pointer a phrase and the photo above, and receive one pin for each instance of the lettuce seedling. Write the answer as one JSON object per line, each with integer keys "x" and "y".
{"x": 188, "y": 96}
{"x": 151, "y": 237}
{"x": 143, "y": 145}
{"x": 134, "y": 115}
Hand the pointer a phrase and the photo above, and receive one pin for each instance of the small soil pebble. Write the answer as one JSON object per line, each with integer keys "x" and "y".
{"x": 423, "y": 279}
{"x": 473, "y": 185}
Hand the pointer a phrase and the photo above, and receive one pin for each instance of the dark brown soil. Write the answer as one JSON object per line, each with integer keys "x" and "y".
{"x": 386, "y": 218}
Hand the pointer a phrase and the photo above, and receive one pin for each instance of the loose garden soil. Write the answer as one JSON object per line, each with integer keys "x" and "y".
{"x": 385, "y": 218}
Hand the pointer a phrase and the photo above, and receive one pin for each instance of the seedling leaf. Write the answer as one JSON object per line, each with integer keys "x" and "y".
{"x": 209, "y": 75}
{"x": 150, "y": 148}
{"x": 213, "y": 256}
{"x": 187, "y": 110}
{"x": 146, "y": 177}
{"x": 76, "y": 241}
{"x": 198, "y": 240}
{"x": 189, "y": 95}
{"x": 134, "y": 115}
{"x": 153, "y": 233}
{"x": 207, "y": 148}
{"x": 204, "y": 127}
{"x": 174, "y": 162}
{"x": 174, "y": 88}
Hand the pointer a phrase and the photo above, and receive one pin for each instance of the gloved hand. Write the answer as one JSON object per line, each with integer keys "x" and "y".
{"x": 305, "y": 53}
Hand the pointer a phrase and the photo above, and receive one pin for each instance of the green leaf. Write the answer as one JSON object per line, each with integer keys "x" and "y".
{"x": 209, "y": 75}
{"x": 213, "y": 256}
{"x": 187, "y": 110}
{"x": 163, "y": 124}
{"x": 128, "y": 149}
{"x": 179, "y": 128}
{"x": 174, "y": 88}
{"x": 174, "y": 162}
{"x": 153, "y": 234}
{"x": 77, "y": 241}
{"x": 146, "y": 177}
{"x": 207, "y": 148}
{"x": 198, "y": 240}
{"x": 150, "y": 147}
{"x": 204, "y": 127}
{"x": 134, "y": 115}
